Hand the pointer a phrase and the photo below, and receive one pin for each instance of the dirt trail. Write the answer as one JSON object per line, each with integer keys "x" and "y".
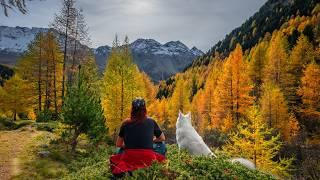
{"x": 12, "y": 146}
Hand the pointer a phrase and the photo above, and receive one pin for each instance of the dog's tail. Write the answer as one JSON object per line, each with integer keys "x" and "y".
{"x": 212, "y": 154}
{"x": 245, "y": 162}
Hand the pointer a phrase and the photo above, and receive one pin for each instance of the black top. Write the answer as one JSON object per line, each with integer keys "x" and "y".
{"x": 139, "y": 135}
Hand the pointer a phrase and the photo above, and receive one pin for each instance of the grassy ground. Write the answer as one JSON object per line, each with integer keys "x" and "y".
{"x": 36, "y": 167}
{"x": 12, "y": 148}
{"x": 19, "y": 160}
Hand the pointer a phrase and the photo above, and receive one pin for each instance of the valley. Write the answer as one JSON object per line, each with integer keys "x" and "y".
{"x": 67, "y": 109}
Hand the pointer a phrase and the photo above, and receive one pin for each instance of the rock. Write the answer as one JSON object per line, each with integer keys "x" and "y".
{"x": 244, "y": 162}
{"x": 44, "y": 146}
{"x": 43, "y": 154}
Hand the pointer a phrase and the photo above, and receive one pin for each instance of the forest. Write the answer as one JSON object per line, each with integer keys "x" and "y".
{"x": 261, "y": 103}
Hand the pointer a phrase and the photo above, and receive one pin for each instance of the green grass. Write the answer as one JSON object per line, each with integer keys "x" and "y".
{"x": 46, "y": 126}
{"x": 180, "y": 165}
{"x": 92, "y": 162}
{"x": 34, "y": 167}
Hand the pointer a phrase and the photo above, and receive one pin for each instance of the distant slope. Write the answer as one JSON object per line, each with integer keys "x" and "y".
{"x": 270, "y": 17}
{"x": 15, "y": 40}
{"x": 158, "y": 60}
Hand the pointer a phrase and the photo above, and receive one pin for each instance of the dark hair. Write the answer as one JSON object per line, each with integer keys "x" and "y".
{"x": 138, "y": 109}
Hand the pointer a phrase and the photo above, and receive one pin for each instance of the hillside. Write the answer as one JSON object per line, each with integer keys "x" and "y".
{"x": 270, "y": 17}
{"x": 279, "y": 75}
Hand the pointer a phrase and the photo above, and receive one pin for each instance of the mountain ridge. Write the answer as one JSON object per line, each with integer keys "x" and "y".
{"x": 158, "y": 60}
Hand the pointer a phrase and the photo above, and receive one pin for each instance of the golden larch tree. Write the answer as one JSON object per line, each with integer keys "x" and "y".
{"x": 122, "y": 82}
{"x": 301, "y": 55}
{"x": 254, "y": 141}
{"x": 277, "y": 60}
{"x": 232, "y": 95}
{"x": 256, "y": 67}
{"x": 310, "y": 94}
{"x": 15, "y": 96}
{"x": 158, "y": 110}
{"x": 274, "y": 110}
{"x": 208, "y": 98}
{"x": 198, "y": 112}
{"x": 179, "y": 100}
{"x": 41, "y": 66}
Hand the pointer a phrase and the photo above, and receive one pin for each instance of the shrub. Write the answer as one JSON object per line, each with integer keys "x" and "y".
{"x": 6, "y": 124}
{"x": 82, "y": 112}
{"x": 183, "y": 166}
{"x": 20, "y": 124}
{"x": 216, "y": 138}
{"x": 47, "y": 126}
{"x": 92, "y": 165}
{"x": 44, "y": 116}
{"x": 179, "y": 165}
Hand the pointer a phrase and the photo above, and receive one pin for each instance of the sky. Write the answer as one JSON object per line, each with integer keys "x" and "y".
{"x": 200, "y": 23}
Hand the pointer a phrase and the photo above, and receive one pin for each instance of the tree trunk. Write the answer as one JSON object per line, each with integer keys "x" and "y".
{"x": 55, "y": 84}
{"x": 47, "y": 87}
{"x": 74, "y": 59}
{"x": 39, "y": 77}
{"x": 65, "y": 55}
{"x": 14, "y": 115}
{"x": 270, "y": 114}
{"x": 237, "y": 100}
{"x": 231, "y": 96}
{"x": 74, "y": 140}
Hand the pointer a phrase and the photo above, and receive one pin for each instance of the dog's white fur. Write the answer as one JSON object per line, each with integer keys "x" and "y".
{"x": 188, "y": 139}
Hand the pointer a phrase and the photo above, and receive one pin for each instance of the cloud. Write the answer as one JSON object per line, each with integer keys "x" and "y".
{"x": 198, "y": 23}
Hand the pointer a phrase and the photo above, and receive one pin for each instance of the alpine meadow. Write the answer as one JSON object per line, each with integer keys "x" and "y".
{"x": 72, "y": 107}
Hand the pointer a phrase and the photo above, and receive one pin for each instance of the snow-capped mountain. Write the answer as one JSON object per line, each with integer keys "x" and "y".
{"x": 158, "y": 60}
{"x": 16, "y": 39}
{"x": 195, "y": 51}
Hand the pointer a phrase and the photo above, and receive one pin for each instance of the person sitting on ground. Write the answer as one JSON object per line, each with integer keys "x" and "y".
{"x": 140, "y": 141}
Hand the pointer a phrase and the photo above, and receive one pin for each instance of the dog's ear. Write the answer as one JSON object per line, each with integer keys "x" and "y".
{"x": 180, "y": 114}
{"x": 188, "y": 116}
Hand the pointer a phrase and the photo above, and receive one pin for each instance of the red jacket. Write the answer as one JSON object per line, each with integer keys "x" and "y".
{"x": 133, "y": 159}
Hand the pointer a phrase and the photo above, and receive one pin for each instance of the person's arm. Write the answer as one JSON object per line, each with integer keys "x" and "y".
{"x": 161, "y": 138}
{"x": 120, "y": 139}
{"x": 120, "y": 142}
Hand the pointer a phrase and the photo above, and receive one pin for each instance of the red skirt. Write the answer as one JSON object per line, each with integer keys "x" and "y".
{"x": 133, "y": 159}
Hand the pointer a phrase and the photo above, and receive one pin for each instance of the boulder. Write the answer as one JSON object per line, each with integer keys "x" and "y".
{"x": 43, "y": 154}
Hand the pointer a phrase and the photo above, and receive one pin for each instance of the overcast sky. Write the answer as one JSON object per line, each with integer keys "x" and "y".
{"x": 199, "y": 23}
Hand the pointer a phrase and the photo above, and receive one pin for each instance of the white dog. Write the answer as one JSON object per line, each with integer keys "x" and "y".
{"x": 188, "y": 139}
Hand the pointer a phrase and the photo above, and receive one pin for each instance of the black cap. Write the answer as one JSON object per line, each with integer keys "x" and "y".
{"x": 138, "y": 103}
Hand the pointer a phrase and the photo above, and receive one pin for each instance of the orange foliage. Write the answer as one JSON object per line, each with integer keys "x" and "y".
{"x": 233, "y": 88}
